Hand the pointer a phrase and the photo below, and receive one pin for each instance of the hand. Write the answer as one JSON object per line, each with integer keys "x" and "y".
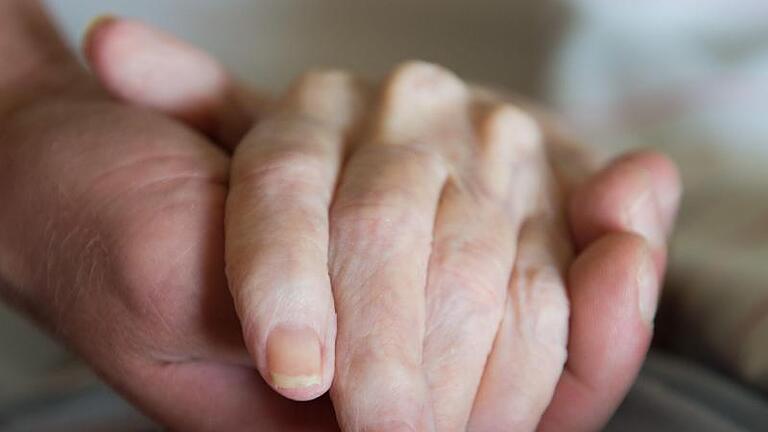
{"x": 530, "y": 255}
{"x": 111, "y": 235}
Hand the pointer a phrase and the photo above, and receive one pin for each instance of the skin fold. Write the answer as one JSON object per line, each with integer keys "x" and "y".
{"x": 416, "y": 226}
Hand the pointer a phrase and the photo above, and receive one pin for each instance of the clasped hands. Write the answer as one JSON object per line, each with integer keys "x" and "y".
{"x": 436, "y": 256}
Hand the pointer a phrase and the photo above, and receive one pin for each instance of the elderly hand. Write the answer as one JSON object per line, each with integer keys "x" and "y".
{"x": 420, "y": 240}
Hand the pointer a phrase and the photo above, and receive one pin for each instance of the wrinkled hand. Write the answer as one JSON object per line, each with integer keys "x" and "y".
{"x": 418, "y": 234}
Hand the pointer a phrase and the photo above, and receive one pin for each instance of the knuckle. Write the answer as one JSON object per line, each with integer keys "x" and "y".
{"x": 147, "y": 221}
{"x": 475, "y": 294}
{"x": 470, "y": 250}
{"x": 378, "y": 338}
{"x": 472, "y": 274}
{"x": 169, "y": 235}
{"x": 380, "y": 222}
{"x": 424, "y": 100}
{"x": 333, "y": 98}
{"x": 287, "y": 171}
{"x": 505, "y": 125}
{"x": 480, "y": 263}
{"x": 413, "y": 164}
{"x": 322, "y": 77}
{"x": 383, "y": 362}
{"x": 379, "y": 218}
{"x": 146, "y": 292}
{"x": 422, "y": 77}
{"x": 423, "y": 157}
{"x": 413, "y": 70}
{"x": 383, "y": 348}
{"x": 321, "y": 89}
{"x": 370, "y": 368}
{"x": 540, "y": 295}
{"x": 393, "y": 200}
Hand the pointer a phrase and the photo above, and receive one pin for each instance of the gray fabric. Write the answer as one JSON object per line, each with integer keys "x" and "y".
{"x": 678, "y": 396}
{"x": 96, "y": 409}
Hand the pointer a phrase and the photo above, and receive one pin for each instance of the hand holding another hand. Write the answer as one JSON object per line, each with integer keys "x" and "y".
{"x": 427, "y": 215}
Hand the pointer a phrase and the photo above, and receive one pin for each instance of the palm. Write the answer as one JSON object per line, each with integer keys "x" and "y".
{"x": 140, "y": 292}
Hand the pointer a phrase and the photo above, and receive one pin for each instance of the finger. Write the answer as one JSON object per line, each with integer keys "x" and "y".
{"x": 614, "y": 289}
{"x": 637, "y": 193}
{"x": 283, "y": 176}
{"x": 606, "y": 205}
{"x": 472, "y": 254}
{"x": 382, "y": 224}
{"x": 600, "y": 201}
{"x": 530, "y": 346}
{"x": 572, "y": 161}
{"x": 147, "y": 67}
{"x": 604, "y": 200}
{"x": 665, "y": 182}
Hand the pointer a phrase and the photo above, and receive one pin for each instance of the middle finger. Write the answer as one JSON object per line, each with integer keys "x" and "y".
{"x": 473, "y": 254}
{"x": 381, "y": 235}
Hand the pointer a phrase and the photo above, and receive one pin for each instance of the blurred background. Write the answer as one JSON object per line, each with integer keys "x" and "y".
{"x": 689, "y": 77}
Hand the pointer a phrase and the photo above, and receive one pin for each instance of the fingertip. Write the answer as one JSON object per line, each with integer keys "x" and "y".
{"x": 294, "y": 362}
{"x": 290, "y": 335}
{"x": 614, "y": 291}
{"x": 106, "y": 52}
{"x": 293, "y": 357}
{"x": 665, "y": 178}
{"x": 148, "y": 67}
{"x": 94, "y": 35}
{"x": 613, "y": 294}
{"x": 602, "y": 204}
{"x": 621, "y": 198}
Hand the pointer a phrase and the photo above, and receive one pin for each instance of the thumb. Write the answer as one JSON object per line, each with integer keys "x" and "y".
{"x": 147, "y": 67}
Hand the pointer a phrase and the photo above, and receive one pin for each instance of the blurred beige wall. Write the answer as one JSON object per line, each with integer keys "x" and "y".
{"x": 270, "y": 41}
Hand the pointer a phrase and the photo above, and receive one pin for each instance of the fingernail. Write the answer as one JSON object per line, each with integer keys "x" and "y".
{"x": 98, "y": 21}
{"x": 647, "y": 289}
{"x": 396, "y": 427}
{"x": 294, "y": 358}
{"x": 90, "y": 32}
{"x": 669, "y": 200}
{"x": 643, "y": 218}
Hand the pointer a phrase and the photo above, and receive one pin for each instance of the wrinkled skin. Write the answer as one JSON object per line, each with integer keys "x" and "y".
{"x": 424, "y": 226}
{"x": 423, "y": 232}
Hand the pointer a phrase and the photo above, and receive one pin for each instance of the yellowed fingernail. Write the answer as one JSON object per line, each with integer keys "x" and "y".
{"x": 294, "y": 381}
{"x": 399, "y": 427}
{"x": 294, "y": 358}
